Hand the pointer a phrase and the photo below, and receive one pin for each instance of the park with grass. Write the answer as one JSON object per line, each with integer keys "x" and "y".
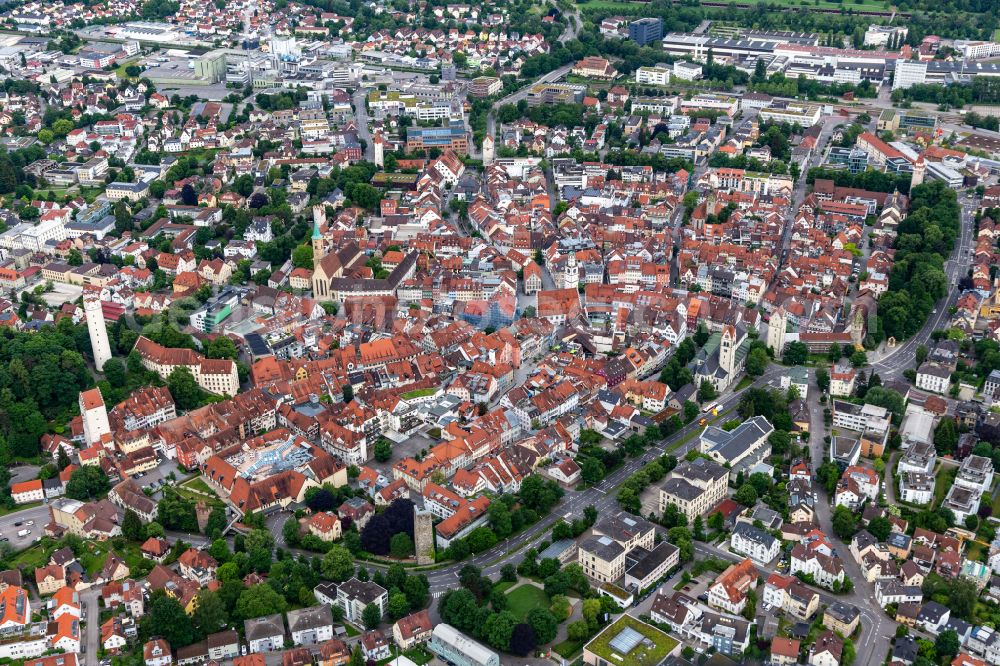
{"x": 525, "y": 598}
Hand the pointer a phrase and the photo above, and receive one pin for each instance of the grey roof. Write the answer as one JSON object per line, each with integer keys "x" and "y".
{"x": 222, "y": 638}
{"x": 842, "y": 612}
{"x": 603, "y": 547}
{"x": 730, "y": 445}
{"x": 700, "y": 469}
{"x": 309, "y": 618}
{"x": 905, "y": 649}
{"x": 364, "y": 591}
{"x": 648, "y": 560}
{"x": 681, "y": 488}
{"x": 755, "y": 534}
{"x": 932, "y": 612}
{"x": 623, "y": 527}
{"x": 264, "y": 627}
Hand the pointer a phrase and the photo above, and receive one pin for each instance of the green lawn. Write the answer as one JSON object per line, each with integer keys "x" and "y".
{"x": 567, "y": 648}
{"x": 198, "y": 485}
{"x": 867, "y": 5}
{"x": 607, "y": 4}
{"x": 36, "y": 556}
{"x": 93, "y": 560}
{"x": 196, "y": 496}
{"x": 418, "y": 393}
{"x": 996, "y": 505}
{"x": 974, "y": 551}
{"x": 120, "y": 69}
{"x": 945, "y": 479}
{"x": 648, "y": 653}
{"x": 351, "y": 630}
{"x": 525, "y": 598}
{"x": 419, "y": 656}
{"x": 996, "y": 35}
{"x": 18, "y": 507}
{"x": 504, "y": 585}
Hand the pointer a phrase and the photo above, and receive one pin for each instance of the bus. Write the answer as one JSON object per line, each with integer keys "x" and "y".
{"x": 713, "y": 409}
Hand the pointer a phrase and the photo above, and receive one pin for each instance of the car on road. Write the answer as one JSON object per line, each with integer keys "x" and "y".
{"x": 19, "y": 523}
{"x": 29, "y": 522}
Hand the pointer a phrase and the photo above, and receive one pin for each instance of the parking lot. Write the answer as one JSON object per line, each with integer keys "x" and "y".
{"x": 408, "y": 448}
{"x": 157, "y": 478}
{"x": 31, "y": 520}
{"x": 61, "y": 293}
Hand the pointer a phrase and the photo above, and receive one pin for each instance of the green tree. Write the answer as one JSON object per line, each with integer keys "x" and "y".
{"x": 87, "y": 483}
{"x": 845, "y": 523}
{"x": 498, "y": 629}
{"x": 746, "y": 495}
{"x": 170, "y": 620}
{"x": 223, "y": 347}
{"x": 757, "y": 362}
{"x": 823, "y": 379}
{"x": 258, "y": 601}
{"x": 184, "y": 388}
{"x": 578, "y": 631}
{"x": 210, "y": 614}
{"x": 947, "y": 644}
{"x": 302, "y": 256}
{"x": 401, "y": 545}
{"x": 399, "y": 606}
{"x": 338, "y": 564}
{"x": 216, "y": 523}
{"x": 383, "y": 450}
{"x": 371, "y": 616}
{"x": 796, "y": 353}
{"x": 706, "y": 391}
{"x": 114, "y": 372}
{"x": 544, "y": 623}
{"x": 592, "y": 470}
{"x": 880, "y": 528}
{"x": 946, "y": 437}
{"x": 132, "y": 528}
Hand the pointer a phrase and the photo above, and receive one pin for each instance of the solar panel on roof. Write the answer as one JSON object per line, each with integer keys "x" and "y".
{"x": 625, "y": 641}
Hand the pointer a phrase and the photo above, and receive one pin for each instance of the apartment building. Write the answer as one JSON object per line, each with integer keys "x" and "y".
{"x": 603, "y": 554}
{"x": 695, "y": 487}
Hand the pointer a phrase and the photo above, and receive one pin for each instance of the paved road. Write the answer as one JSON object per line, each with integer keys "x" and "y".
{"x": 878, "y": 629}
{"x": 361, "y": 115}
{"x": 517, "y": 96}
{"x": 91, "y": 637}
{"x": 892, "y": 362}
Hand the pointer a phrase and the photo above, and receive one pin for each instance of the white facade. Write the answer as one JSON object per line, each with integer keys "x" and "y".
{"x": 98, "y": 331}
{"x": 25, "y": 236}
{"x": 656, "y": 76}
{"x": 94, "y": 415}
{"x": 933, "y": 381}
{"x": 755, "y": 543}
{"x": 687, "y": 71}
{"x": 909, "y": 73}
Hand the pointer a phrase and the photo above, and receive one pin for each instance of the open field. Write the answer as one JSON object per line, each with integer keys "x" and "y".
{"x": 525, "y": 598}
{"x": 827, "y": 5}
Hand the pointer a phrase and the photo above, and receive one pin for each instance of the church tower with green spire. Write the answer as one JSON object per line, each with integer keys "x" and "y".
{"x": 318, "y": 245}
